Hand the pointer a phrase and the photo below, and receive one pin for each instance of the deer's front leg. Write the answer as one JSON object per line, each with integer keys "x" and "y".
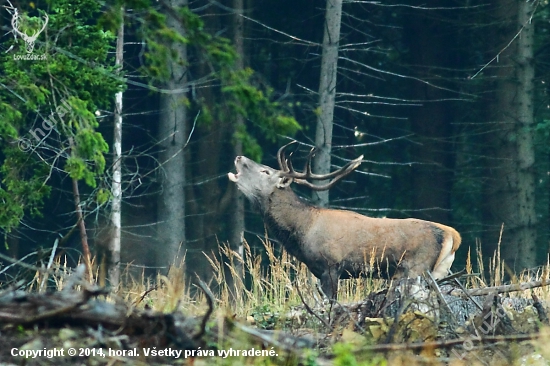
{"x": 329, "y": 281}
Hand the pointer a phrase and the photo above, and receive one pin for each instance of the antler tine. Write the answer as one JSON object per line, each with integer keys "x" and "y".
{"x": 302, "y": 178}
{"x": 307, "y": 174}
{"x": 307, "y": 168}
{"x": 338, "y": 174}
{"x": 281, "y": 157}
{"x": 289, "y": 165}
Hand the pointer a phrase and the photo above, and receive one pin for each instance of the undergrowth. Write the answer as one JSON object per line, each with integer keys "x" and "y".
{"x": 268, "y": 297}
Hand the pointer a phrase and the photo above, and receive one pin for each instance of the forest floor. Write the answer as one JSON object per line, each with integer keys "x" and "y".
{"x": 278, "y": 318}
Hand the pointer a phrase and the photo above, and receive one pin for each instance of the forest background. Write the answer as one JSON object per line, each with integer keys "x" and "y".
{"x": 138, "y": 109}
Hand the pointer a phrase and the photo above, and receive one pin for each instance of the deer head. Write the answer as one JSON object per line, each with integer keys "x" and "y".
{"x": 258, "y": 181}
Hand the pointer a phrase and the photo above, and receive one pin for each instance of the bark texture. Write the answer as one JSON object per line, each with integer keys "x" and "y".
{"x": 327, "y": 95}
{"x": 116, "y": 185}
{"x": 172, "y": 137}
{"x": 510, "y": 186}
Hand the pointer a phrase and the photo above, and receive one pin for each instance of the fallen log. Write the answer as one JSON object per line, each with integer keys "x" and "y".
{"x": 499, "y": 289}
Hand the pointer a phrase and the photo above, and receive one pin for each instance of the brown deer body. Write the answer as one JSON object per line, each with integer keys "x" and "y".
{"x": 336, "y": 244}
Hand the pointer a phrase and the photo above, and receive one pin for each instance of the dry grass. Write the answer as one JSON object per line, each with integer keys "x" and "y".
{"x": 498, "y": 271}
{"x": 242, "y": 283}
{"x": 245, "y": 282}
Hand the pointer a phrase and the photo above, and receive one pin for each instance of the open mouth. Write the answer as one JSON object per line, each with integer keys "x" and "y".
{"x": 234, "y": 177}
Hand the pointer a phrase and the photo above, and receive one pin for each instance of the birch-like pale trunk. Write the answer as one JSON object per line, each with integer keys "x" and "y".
{"x": 116, "y": 185}
{"x": 327, "y": 95}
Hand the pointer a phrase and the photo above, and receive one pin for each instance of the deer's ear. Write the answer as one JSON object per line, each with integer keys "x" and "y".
{"x": 284, "y": 182}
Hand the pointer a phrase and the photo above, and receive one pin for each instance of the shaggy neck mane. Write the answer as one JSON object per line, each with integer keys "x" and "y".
{"x": 288, "y": 218}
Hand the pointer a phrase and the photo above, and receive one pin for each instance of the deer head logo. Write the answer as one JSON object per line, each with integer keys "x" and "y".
{"x": 29, "y": 39}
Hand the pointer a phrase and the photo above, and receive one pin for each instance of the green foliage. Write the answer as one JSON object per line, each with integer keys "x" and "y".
{"x": 161, "y": 41}
{"x": 87, "y": 145}
{"x": 344, "y": 356}
{"x": 265, "y": 317}
{"x": 240, "y": 94}
{"x": 22, "y": 186}
{"x": 542, "y": 130}
{"x": 67, "y": 83}
{"x": 102, "y": 196}
{"x": 251, "y": 147}
{"x": 256, "y": 105}
{"x": 11, "y": 116}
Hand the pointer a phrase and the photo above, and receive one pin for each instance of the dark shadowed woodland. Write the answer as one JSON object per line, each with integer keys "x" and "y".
{"x": 119, "y": 124}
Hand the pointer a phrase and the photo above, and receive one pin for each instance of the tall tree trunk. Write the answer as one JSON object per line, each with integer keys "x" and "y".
{"x": 510, "y": 188}
{"x": 172, "y": 138}
{"x": 526, "y": 238}
{"x": 83, "y": 234}
{"x": 116, "y": 185}
{"x": 237, "y": 215}
{"x": 207, "y": 189}
{"x": 204, "y": 193}
{"x": 327, "y": 95}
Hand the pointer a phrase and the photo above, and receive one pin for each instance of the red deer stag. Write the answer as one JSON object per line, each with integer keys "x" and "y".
{"x": 336, "y": 244}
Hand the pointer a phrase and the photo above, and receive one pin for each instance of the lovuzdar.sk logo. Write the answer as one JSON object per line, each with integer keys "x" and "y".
{"x": 27, "y": 28}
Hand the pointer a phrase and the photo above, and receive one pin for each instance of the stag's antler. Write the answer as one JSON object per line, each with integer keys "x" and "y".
{"x": 301, "y": 178}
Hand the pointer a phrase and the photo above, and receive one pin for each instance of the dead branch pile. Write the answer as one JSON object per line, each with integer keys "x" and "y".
{"x": 78, "y": 304}
{"x": 83, "y": 306}
{"x": 420, "y": 314}
{"x": 412, "y": 315}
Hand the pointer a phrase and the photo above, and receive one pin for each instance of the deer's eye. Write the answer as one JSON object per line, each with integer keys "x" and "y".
{"x": 265, "y": 171}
